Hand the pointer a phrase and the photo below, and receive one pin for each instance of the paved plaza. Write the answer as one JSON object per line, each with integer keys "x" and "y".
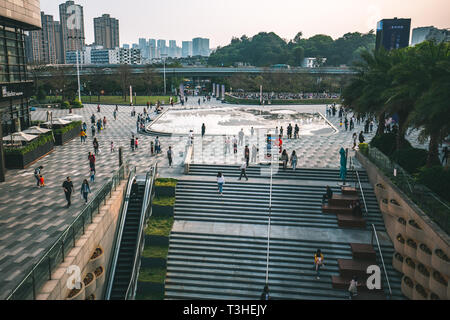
{"x": 31, "y": 219}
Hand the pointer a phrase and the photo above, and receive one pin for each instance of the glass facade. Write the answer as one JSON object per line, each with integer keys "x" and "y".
{"x": 12, "y": 55}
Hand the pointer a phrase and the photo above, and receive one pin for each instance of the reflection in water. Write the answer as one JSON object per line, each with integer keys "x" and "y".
{"x": 230, "y": 120}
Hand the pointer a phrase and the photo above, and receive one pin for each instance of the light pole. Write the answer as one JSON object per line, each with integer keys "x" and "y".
{"x": 163, "y": 56}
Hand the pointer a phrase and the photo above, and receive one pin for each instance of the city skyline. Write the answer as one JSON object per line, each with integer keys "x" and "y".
{"x": 286, "y": 19}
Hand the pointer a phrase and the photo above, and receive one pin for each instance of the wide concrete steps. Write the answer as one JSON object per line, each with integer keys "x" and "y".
{"x": 205, "y": 266}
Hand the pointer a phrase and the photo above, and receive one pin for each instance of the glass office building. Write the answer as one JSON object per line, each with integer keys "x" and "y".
{"x": 393, "y": 33}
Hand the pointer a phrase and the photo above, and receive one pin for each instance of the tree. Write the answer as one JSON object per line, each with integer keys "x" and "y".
{"x": 124, "y": 74}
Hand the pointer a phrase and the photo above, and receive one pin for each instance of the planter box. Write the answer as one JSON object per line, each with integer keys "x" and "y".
{"x": 397, "y": 211}
{"x": 399, "y": 227}
{"x": 80, "y": 295}
{"x": 438, "y": 288}
{"x": 165, "y": 191}
{"x": 408, "y": 271}
{"x": 100, "y": 279}
{"x": 417, "y": 234}
{"x": 153, "y": 262}
{"x": 61, "y": 139}
{"x": 399, "y": 247}
{"x": 162, "y": 211}
{"x": 418, "y": 296}
{"x": 98, "y": 261}
{"x": 90, "y": 288}
{"x": 423, "y": 257}
{"x": 410, "y": 251}
{"x": 440, "y": 265}
{"x": 422, "y": 279}
{"x": 19, "y": 161}
{"x": 406, "y": 290}
{"x": 397, "y": 264}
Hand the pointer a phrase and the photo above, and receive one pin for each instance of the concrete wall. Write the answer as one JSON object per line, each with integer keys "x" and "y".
{"x": 100, "y": 233}
{"x": 397, "y": 219}
{"x": 25, "y": 11}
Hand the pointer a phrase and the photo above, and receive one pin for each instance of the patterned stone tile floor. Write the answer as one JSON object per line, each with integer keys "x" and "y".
{"x": 31, "y": 219}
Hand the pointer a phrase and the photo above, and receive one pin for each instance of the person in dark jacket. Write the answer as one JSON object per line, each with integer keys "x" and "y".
{"x": 265, "y": 294}
{"x": 328, "y": 195}
{"x": 68, "y": 188}
{"x": 85, "y": 190}
{"x": 37, "y": 173}
{"x": 203, "y": 130}
{"x": 134, "y": 189}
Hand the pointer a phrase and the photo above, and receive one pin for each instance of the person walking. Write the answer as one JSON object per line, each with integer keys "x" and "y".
{"x": 93, "y": 119}
{"x": 284, "y": 158}
{"x": 96, "y": 146}
{"x": 247, "y": 155}
{"x": 112, "y": 146}
{"x": 93, "y": 130}
{"x": 37, "y": 173}
{"x": 85, "y": 190}
{"x": 265, "y": 294}
{"x": 169, "y": 156}
{"x": 115, "y": 115}
{"x": 83, "y": 136}
{"x": 355, "y": 138}
{"x": 243, "y": 170}
{"x": 68, "y": 188}
{"x": 294, "y": 160}
{"x": 136, "y": 143}
{"x": 241, "y": 137}
{"x": 104, "y": 122}
{"x": 134, "y": 189}
{"x": 84, "y": 127}
{"x": 92, "y": 178}
{"x": 318, "y": 262}
{"x": 361, "y": 137}
{"x": 353, "y": 288}
{"x": 296, "y": 131}
{"x": 282, "y": 130}
{"x": 98, "y": 108}
{"x": 91, "y": 159}
{"x": 227, "y": 145}
{"x": 235, "y": 145}
{"x": 203, "y": 130}
{"x": 254, "y": 153}
{"x": 252, "y": 131}
{"x": 157, "y": 146}
{"x": 220, "y": 182}
{"x": 445, "y": 156}
{"x": 132, "y": 143}
{"x": 328, "y": 195}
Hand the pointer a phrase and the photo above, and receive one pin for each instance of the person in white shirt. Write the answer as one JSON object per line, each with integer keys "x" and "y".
{"x": 243, "y": 170}
{"x": 220, "y": 182}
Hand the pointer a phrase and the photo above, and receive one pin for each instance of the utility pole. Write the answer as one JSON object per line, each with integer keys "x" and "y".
{"x": 163, "y": 56}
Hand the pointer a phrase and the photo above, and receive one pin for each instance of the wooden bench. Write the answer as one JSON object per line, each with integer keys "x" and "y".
{"x": 349, "y": 268}
{"x": 363, "y": 252}
{"x": 342, "y": 200}
{"x": 336, "y": 209}
{"x": 349, "y": 191}
{"x": 350, "y": 221}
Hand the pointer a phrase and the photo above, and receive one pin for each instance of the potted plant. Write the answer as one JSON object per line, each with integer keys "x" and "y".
{"x": 411, "y": 248}
{"x": 97, "y": 258}
{"x": 100, "y": 276}
{"x": 407, "y": 287}
{"x": 409, "y": 268}
{"x": 397, "y": 262}
{"x": 77, "y": 294}
{"x": 420, "y": 293}
{"x": 415, "y": 231}
{"x": 438, "y": 284}
{"x": 422, "y": 276}
{"x": 90, "y": 283}
{"x": 399, "y": 244}
{"x": 396, "y": 209}
{"x": 381, "y": 191}
{"x": 440, "y": 262}
{"x": 424, "y": 254}
{"x": 400, "y": 226}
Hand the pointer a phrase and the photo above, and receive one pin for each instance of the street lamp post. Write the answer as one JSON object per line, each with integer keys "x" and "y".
{"x": 163, "y": 56}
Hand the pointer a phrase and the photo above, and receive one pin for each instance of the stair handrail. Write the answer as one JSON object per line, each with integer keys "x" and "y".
{"x": 120, "y": 228}
{"x": 361, "y": 189}
{"x": 146, "y": 207}
{"x": 374, "y": 233}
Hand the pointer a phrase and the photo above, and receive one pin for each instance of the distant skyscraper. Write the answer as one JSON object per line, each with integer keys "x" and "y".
{"x": 143, "y": 46}
{"x": 126, "y": 46}
{"x": 393, "y": 33}
{"x": 186, "y": 49}
{"x": 106, "y": 31}
{"x": 45, "y": 44}
{"x": 152, "y": 49}
{"x": 162, "y": 48}
{"x": 200, "y": 47}
{"x": 72, "y": 27}
{"x": 429, "y": 33}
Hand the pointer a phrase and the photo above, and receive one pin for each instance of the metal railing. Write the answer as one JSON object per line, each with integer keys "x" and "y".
{"x": 433, "y": 206}
{"x": 120, "y": 227}
{"x": 358, "y": 182}
{"x": 145, "y": 213}
{"x": 41, "y": 272}
{"x": 374, "y": 233}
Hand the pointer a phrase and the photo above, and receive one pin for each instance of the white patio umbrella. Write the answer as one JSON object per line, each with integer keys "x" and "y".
{"x": 36, "y": 130}
{"x": 20, "y": 136}
{"x": 72, "y": 117}
{"x": 58, "y": 122}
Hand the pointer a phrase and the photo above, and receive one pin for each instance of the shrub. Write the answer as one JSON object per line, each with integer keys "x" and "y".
{"x": 43, "y": 139}
{"x": 410, "y": 159}
{"x": 387, "y": 143}
{"x": 77, "y": 104}
{"x": 65, "y": 105}
{"x": 68, "y": 127}
{"x": 437, "y": 179}
{"x": 166, "y": 182}
{"x": 364, "y": 147}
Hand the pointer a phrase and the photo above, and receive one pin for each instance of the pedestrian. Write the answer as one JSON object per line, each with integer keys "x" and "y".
{"x": 169, "y": 156}
{"x": 296, "y": 131}
{"x": 91, "y": 158}
{"x": 284, "y": 158}
{"x": 318, "y": 262}
{"x": 132, "y": 143}
{"x": 37, "y": 173}
{"x": 328, "y": 195}
{"x": 203, "y": 130}
{"x": 371, "y": 126}
{"x": 243, "y": 170}
{"x": 112, "y": 146}
{"x": 241, "y": 137}
{"x": 92, "y": 176}
{"x": 220, "y": 182}
{"x": 247, "y": 155}
{"x": 355, "y": 137}
{"x": 152, "y": 150}
{"x": 281, "y": 131}
{"x": 227, "y": 145}
{"x": 115, "y": 115}
{"x": 104, "y": 122}
{"x": 134, "y": 189}
{"x": 84, "y": 127}
{"x": 68, "y": 188}
{"x": 96, "y": 146}
{"x": 265, "y": 294}
{"x": 83, "y": 136}
{"x": 85, "y": 190}
{"x": 280, "y": 143}
{"x": 361, "y": 137}
{"x": 136, "y": 143}
{"x": 98, "y": 108}
{"x": 294, "y": 160}
{"x": 254, "y": 153}
{"x": 93, "y": 119}
{"x": 157, "y": 146}
{"x": 235, "y": 145}
{"x": 41, "y": 181}
{"x": 93, "y": 130}
{"x": 445, "y": 156}
{"x": 353, "y": 288}
{"x": 252, "y": 130}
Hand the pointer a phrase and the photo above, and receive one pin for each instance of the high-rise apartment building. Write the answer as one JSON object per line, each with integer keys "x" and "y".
{"x": 72, "y": 26}
{"x": 186, "y": 49}
{"x": 106, "y": 32}
{"x": 46, "y": 43}
{"x": 393, "y": 33}
{"x": 200, "y": 47}
{"x": 429, "y": 33}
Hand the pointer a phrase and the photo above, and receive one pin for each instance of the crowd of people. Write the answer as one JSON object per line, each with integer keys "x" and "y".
{"x": 284, "y": 96}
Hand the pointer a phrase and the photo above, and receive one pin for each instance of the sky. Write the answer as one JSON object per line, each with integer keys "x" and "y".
{"x": 220, "y": 20}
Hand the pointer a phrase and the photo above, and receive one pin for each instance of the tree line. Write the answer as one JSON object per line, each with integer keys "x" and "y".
{"x": 266, "y": 49}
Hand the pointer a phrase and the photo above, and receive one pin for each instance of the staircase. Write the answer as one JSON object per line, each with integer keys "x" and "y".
{"x": 127, "y": 249}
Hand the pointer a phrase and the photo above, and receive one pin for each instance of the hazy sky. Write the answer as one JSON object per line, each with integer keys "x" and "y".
{"x": 220, "y": 20}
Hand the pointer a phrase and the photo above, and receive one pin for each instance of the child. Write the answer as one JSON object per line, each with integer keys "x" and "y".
{"x": 112, "y": 146}
{"x": 136, "y": 143}
{"x": 92, "y": 175}
{"x": 41, "y": 181}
